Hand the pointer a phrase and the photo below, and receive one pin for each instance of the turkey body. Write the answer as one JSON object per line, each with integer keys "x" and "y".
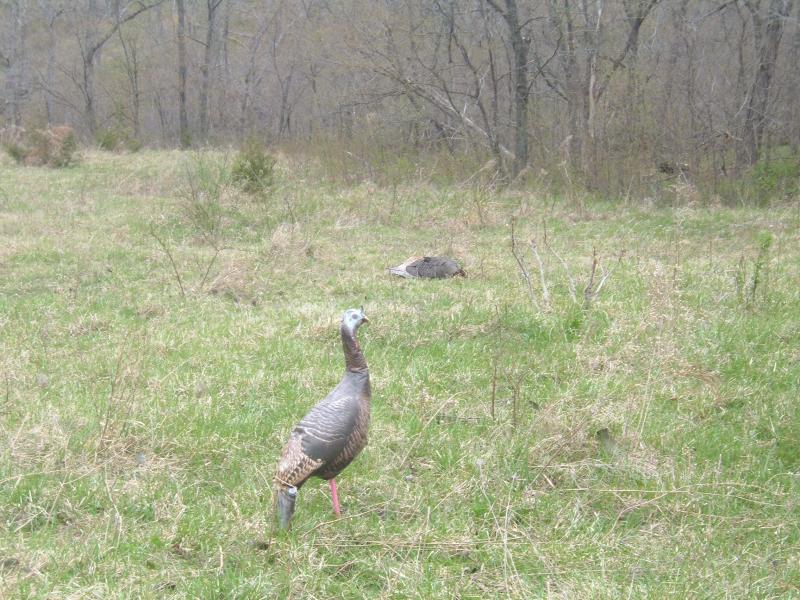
{"x": 428, "y": 267}
{"x": 330, "y": 436}
{"x": 333, "y": 432}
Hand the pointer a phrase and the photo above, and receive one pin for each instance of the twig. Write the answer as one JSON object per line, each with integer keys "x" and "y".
{"x": 588, "y": 291}
{"x": 121, "y": 396}
{"x": 210, "y": 264}
{"x": 494, "y": 384}
{"x": 375, "y": 508}
{"x": 288, "y": 206}
{"x": 606, "y": 275}
{"x": 508, "y": 555}
{"x": 171, "y": 260}
{"x": 570, "y": 281}
{"x": 522, "y": 268}
{"x": 117, "y": 379}
{"x": 545, "y": 292}
{"x": 117, "y": 515}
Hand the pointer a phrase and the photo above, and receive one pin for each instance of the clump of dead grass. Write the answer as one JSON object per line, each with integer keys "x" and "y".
{"x": 41, "y": 445}
{"x": 238, "y": 280}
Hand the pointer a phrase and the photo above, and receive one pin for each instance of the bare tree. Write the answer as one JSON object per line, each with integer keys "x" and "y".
{"x": 183, "y": 117}
{"x": 520, "y": 44}
{"x": 209, "y": 48}
{"x": 768, "y": 18}
{"x": 16, "y": 61}
{"x": 283, "y": 76}
{"x": 254, "y": 72}
{"x": 583, "y": 80}
{"x": 130, "y": 52}
{"x": 595, "y": 92}
{"x": 94, "y": 25}
{"x": 51, "y": 12}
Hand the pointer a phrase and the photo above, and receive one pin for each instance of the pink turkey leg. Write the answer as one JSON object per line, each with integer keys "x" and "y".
{"x": 335, "y": 498}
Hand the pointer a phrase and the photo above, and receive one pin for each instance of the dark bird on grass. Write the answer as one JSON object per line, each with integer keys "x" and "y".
{"x": 428, "y": 267}
{"x": 333, "y": 432}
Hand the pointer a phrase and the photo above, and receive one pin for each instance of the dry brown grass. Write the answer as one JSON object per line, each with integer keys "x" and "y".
{"x": 636, "y": 447}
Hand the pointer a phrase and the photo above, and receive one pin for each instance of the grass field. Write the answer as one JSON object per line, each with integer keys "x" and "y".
{"x": 159, "y": 340}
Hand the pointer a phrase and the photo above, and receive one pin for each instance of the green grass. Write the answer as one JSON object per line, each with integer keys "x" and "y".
{"x": 646, "y": 445}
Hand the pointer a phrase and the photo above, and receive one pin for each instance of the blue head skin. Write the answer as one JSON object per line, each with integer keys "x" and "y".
{"x": 286, "y": 500}
{"x": 352, "y": 319}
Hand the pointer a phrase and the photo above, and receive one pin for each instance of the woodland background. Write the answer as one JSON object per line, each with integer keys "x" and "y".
{"x": 615, "y": 96}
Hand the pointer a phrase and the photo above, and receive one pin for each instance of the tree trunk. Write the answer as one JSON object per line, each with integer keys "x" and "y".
{"x": 130, "y": 53}
{"x": 284, "y": 115}
{"x": 50, "y": 71}
{"x": 88, "y": 92}
{"x": 205, "y": 69}
{"x": 768, "y": 35}
{"x": 520, "y": 45}
{"x": 18, "y": 60}
{"x": 183, "y": 118}
{"x": 561, "y": 20}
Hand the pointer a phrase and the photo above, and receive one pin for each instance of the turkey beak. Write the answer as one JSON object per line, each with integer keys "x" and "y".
{"x": 364, "y": 319}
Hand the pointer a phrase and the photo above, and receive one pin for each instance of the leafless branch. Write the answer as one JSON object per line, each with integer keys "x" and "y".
{"x": 588, "y": 291}
{"x": 570, "y": 281}
{"x": 545, "y": 292}
{"x": 166, "y": 250}
{"x": 522, "y": 268}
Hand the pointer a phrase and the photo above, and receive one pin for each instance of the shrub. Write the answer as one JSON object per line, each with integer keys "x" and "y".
{"x": 117, "y": 139}
{"x": 768, "y": 180}
{"x": 775, "y": 178}
{"x": 107, "y": 140}
{"x": 51, "y": 147}
{"x": 12, "y": 140}
{"x": 253, "y": 168}
{"x": 63, "y": 145}
{"x": 15, "y": 151}
{"x": 207, "y": 179}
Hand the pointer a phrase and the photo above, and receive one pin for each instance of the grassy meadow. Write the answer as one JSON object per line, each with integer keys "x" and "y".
{"x": 160, "y": 333}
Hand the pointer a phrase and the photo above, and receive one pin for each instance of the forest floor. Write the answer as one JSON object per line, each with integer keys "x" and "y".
{"x": 161, "y": 333}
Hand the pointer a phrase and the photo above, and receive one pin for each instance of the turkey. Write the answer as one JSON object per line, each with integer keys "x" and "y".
{"x": 428, "y": 267}
{"x": 333, "y": 432}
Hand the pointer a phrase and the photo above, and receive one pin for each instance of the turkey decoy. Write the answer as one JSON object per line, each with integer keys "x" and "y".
{"x": 428, "y": 267}
{"x": 333, "y": 432}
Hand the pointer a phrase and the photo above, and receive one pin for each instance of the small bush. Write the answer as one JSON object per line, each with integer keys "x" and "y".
{"x": 748, "y": 279}
{"x": 253, "y": 169}
{"x": 51, "y": 147}
{"x": 107, "y": 140}
{"x": 15, "y": 151}
{"x": 207, "y": 178}
{"x": 118, "y": 139}
{"x": 63, "y": 144}
{"x": 768, "y": 180}
{"x": 776, "y": 178}
{"x": 12, "y": 140}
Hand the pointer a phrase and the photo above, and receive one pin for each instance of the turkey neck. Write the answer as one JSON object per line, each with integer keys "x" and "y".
{"x": 353, "y": 357}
